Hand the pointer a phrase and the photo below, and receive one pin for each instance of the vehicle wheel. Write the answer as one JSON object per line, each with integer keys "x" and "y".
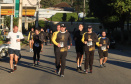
{"x": 4, "y": 53}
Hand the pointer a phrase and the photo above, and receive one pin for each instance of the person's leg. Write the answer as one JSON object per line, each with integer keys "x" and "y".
{"x": 16, "y": 61}
{"x": 34, "y": 57}
{"x": 105, "y": 58}
{"x": 11, "y": 54}
{"x": 63, "y": 62}
{"x": 81, "y": 60}
{"x": 91, "y": 59}
{"x": 30, "y": 44}
{"x": 86, "y": 61}
{"x": 101, "y": 61}
{"x": 58, "y": 61}
{"x": 78, "y": 61}
{"x": 38, "y": 57}
{"x": 11, "y": 60}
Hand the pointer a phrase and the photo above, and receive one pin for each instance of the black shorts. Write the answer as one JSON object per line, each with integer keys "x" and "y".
{"x": 79, "y": 49}
{"x": 13, "y": 51}
{"x": 103, "y": 54}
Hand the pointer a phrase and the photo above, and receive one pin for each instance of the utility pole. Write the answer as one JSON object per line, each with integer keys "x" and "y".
{"x": 20, "y": 16}
{"x": 37, "y": 14}
{"x": 0, "y": 13}
{"x": 11, "y": 20}
{"x": 84, "y": 14}
{"x": 26, "y": 21}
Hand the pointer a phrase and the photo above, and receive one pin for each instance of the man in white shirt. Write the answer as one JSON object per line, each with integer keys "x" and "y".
{"x": 14, "y": 39}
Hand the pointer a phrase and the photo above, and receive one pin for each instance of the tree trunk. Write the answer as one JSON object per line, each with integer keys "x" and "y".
{"x": 122, "y": 33}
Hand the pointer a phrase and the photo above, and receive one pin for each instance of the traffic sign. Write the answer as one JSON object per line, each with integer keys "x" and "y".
{"x": 16, "y": 8}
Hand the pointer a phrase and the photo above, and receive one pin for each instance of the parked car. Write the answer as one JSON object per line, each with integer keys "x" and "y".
{"x": 4, "y": 50}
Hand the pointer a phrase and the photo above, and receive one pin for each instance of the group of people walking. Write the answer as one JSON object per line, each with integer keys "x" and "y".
{"x": 84, "y": 43}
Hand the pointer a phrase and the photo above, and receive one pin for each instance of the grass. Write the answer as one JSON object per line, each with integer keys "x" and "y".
{"x": 1, "y": 42}
{"x": 58, "y": 17}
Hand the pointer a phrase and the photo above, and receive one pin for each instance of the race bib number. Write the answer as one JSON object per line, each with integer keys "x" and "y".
{"x": 103, "y": 48}
{"x": 89, "y": 43}
{"x": 36, "y": 44}
{"x": 61, "y": 44}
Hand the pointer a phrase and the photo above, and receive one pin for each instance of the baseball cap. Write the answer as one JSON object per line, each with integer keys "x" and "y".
{"x": 62, "y": 25}
{"x": 89, "y": 26}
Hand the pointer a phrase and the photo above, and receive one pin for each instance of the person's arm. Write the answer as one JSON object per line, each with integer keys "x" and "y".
{"x": 95, "y": 39}
{"x": 74, "y": 37}
{"x": 69, "y": 39}
{"x": 108, "y": 43}
{"x": 83, "y": 38}
{"x": 54, "y": 37}
{"x": 98, "y": 43}
{"x": 8, "y": 39}
{"x": 29, "y": 36}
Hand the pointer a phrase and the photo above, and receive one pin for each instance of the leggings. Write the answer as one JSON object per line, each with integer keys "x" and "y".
{"x": 89, "y": 57}
{"x": 62, "y": 56}
{"x": 36, "y": 52}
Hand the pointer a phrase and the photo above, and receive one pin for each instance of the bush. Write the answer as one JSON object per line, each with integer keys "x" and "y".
{"x": 64, "y": 17}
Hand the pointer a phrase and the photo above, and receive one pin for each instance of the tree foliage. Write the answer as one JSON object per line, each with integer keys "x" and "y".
{"x": 7, "y": 21}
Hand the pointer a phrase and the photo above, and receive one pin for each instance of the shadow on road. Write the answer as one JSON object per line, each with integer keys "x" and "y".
{"x": 121, "y": 64}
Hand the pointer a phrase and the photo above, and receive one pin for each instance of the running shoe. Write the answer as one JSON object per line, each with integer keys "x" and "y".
{"x": 104, "y": 65}
{"x": 30, "y": 50}
{"x": 90, "y": 71}
{"x": 15, "y": 67}
{"x": 80, "y": 68}
{"x": 77, "y": 69}
{"x": 101, "y": 66}
{"x": 85, "y": 72}
{"x": 38, "y": 62}
{"x": 58, "y": 71}
{"x": 61, "y": 75}
{"x": 34, "y": 64}
{"x": 11, "y": 71}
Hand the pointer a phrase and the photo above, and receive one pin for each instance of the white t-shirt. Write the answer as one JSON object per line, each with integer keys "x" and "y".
{"x": 13, "y": 37}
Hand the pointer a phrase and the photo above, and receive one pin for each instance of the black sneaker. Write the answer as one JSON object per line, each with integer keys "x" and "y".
{"x": 104, "y": 65}
{"x": 101, "y": 66}
{"x": 15, "y": 68}
{"x": 77, "y": 69}
{"x": 80, "y": 68}
{"x": 11, "y": 71}
{"x": 85, "y": 72}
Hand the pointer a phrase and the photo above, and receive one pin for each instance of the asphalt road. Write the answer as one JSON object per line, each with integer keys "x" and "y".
{"x": 118, "y": 70}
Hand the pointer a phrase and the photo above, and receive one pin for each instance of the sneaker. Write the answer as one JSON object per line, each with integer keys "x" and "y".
{"x": 30, "y": 50}
{"x": 90, "y": 71}
{"x": 61, "y": 75}
{"x": 104, "y": 65}
{"x": 77, "y": 69}
{"x": 80, "y": 68}
{"x": 34, "y": 64}
{"x": 58, "y": 72}
{"x": 38, "y": 62}
{"x": 85, "y": 72}
{"x": 101, "y": 66}
{"x": 15, "y": 67}
{"x": 11, "y": 71}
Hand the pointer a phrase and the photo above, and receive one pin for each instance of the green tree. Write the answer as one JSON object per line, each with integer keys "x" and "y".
{"x": 112, "y": 13}
{"x": 7, "y": 21}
